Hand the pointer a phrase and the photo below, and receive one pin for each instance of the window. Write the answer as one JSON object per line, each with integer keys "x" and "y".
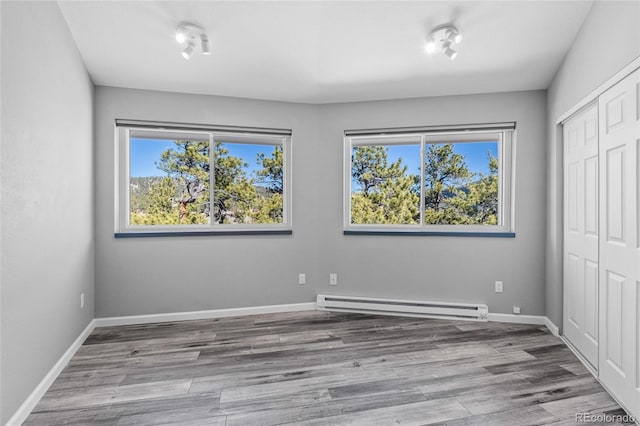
{"x": 430, "y": 181}
{"x": 176, "y": 180}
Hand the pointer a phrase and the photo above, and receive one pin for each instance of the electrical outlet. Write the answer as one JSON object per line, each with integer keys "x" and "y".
{"x": 333, "y": 279}
{"x": 81, "y": 300}
{"x": 302, "y": 279}
{"x": 516, "y": 309}
{"x": 499, "y": 287}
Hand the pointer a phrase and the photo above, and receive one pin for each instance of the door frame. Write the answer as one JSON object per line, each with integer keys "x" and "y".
{"x": 557, "y": 215}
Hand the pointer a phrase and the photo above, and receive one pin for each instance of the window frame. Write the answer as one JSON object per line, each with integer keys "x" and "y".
{"x": 123, "y": 227}
{"x": 506, "y": 137}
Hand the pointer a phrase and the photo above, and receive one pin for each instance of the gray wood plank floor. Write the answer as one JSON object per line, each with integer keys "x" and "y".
{"x": 321, "y": 368}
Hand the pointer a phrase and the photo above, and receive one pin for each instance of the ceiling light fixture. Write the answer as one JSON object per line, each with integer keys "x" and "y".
{"x": 187, "y": 53}
{"x": 187, "y": 33}
{"x": 445, "y": 36}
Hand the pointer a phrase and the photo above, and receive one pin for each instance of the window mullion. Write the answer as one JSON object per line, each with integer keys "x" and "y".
{"x": 501, "y": 177}
{"x": 212, "y": 178}
{"x": 125, "y": 182}
{"x": 422, "y": 177}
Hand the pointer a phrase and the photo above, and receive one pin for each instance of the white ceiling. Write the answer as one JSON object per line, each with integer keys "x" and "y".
{"x": 325, "y": 51}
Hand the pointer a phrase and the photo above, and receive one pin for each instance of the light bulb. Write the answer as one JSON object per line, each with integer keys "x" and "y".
{"x": 188, "y": 51}
{"x": 181, "y": 34}
{"x": 430, "y": 45}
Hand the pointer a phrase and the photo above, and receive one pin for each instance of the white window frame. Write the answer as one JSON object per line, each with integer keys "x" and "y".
{"x": 506, "y": 184}
{"x": 123, "y": 227}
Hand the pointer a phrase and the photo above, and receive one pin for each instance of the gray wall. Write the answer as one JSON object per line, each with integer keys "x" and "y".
{"x": 137, "y": 276}
{"x": 146, "y": 275}
{"x": 47, "y": 244}
{"x": 440, "y": 268}
{"x": 608, "y": 40}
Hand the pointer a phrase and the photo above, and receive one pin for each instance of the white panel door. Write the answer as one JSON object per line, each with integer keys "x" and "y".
{"x": 619, "y": 355}
{"x": 581, "y": 233}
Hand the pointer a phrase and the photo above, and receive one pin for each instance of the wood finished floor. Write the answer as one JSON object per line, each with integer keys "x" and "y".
{"x": 320, "y": 368}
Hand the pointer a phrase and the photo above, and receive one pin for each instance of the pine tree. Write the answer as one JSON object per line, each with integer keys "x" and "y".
{"x": 268, "y": 207}
{"x": 188, "y": 165}
{"x": 272, "y": 173}
{"x": 479, "y": 203}
{"x": 446, "y": 174}
{"x": 234, "y": 193}
{"x": 386, "y": 192}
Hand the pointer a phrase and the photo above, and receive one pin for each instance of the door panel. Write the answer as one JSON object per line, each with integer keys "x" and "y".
{"x": 619, "y": 320}
{"x": 614, "y": 314}
{"x": 591, "y": 197}
{"x": 591, "y": 300}
{"x": 581, "y": 233}
{"x": 615, "y": 195}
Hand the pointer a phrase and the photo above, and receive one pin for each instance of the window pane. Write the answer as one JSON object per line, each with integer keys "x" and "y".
{"x": 385, "y": 184}
{"x": 248, "y": 183}
{"x": 168, "y": 182}
{"x": 461, "y": 183}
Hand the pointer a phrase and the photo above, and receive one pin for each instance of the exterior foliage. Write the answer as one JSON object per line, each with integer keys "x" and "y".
{"x": 385, "y": 193}
{"x": 183, "y": 195}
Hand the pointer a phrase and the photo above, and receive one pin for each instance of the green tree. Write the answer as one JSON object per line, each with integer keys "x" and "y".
{"x": 188, "y": 165}
{"x": 268, "y": 206}
{"x": 272, "y": 173}
{"x": 234, "y": 193}
{"x": 386, "y": 194}
{"x": 268, "y": 209}
{"x": 479, "y": 203}
{"x": 446, "y": 175}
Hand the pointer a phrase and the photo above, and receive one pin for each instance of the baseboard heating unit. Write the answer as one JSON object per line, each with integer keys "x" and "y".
{"x": 409, "y": 308}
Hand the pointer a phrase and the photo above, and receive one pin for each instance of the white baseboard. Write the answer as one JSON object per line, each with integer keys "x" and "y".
{"x": 197, "y": 315}
{"x": 517, "y": 319}
{"x": 525, "y": 319}
{"x": 32, "y": 400}
{"x": 552, "y": 327}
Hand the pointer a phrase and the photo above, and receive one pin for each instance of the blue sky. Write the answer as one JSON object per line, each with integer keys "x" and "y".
{"x": 475, "y": 155}
{"x": 145, "y": 152}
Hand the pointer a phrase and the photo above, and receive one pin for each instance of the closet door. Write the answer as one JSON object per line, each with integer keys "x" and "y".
{"x": 581, "y": 233}
{"x": 619, "y": 365}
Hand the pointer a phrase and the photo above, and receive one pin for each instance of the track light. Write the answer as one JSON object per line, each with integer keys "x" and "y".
{"x": 448, "y": 50}
{"x": 188, "y": 51}
{"x": 189, "y": 34}
{"x": 206, "y": 49}
{"x": 445, "y": 36}
{"x": 453, "y": 35}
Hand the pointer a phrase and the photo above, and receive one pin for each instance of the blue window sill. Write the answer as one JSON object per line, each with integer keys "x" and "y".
{"x": 433, "y": 233}
{"x": 201, "y": 233}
